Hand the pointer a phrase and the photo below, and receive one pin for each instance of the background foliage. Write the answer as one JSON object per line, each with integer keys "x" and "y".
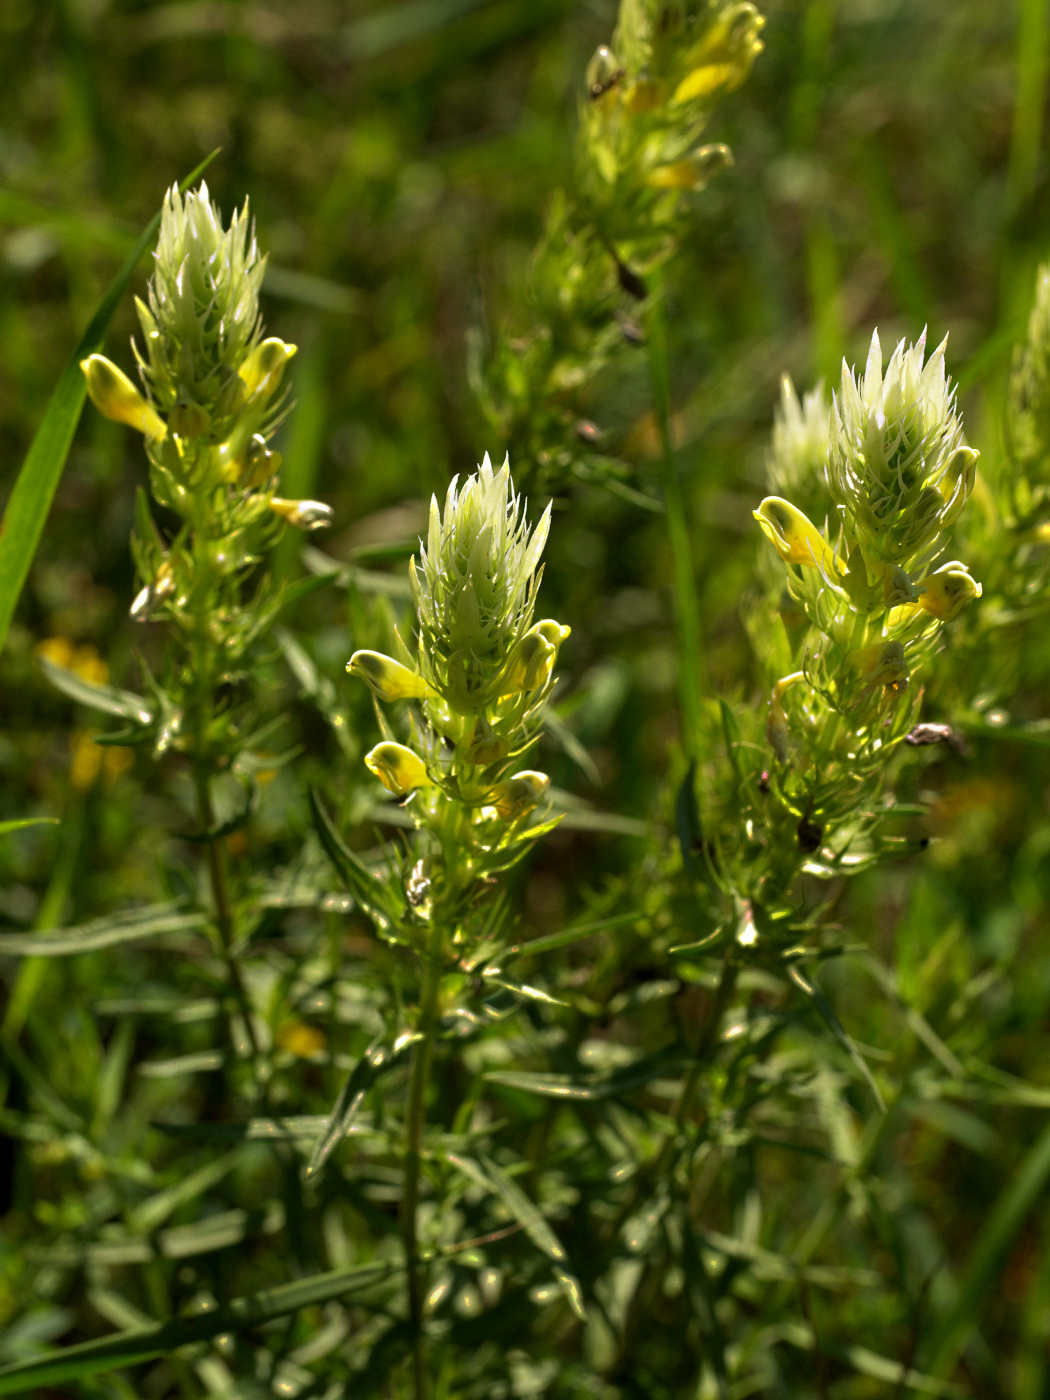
{"x": 400, "y": 161}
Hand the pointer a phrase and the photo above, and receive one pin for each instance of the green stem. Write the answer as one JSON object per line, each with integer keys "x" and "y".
{"x": 687, "y": 612}
{"x": 421, "y": 1064}
{"x": 220, "y": 893}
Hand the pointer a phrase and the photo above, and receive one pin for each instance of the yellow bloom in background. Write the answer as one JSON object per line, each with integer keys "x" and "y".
{"x": 300, "y": 1040}
{"x": 83, "y": 661}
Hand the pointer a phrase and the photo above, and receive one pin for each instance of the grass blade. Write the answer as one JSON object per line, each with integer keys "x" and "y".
{"x": 145, "y": 1343}
{"x": 128, "y": 927}
{"x": 990, "y": 1253}
{"x": 30, "y": 500}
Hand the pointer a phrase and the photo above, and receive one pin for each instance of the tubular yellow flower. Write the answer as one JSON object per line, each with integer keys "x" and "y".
{"x": 946, "y": 590}
{"x": 795, "y": 538}
{"x": 694, "y": 171}
{"x": 262, "y": 370}
{"x": 304, "y": 515}
{"x": 386, "y": 678}
{"x": 882, "y": 663}
{"x": 397, "y": 768}
{"x": 115, "y": 397}
{"x": 519, "y": 794}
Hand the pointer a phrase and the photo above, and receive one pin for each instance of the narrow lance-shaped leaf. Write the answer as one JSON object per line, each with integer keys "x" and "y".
{"x": 380, "y": 1056}
{"x": 106, "y": 698}
{"x": 837, "y": 1029}
{"x": 30, "y": 500}
{"x": 990, "y": 1253}
{"x": 108, "y": 932}
{"x": 161, "y": 1338}
{"x": 528, "y": 1215}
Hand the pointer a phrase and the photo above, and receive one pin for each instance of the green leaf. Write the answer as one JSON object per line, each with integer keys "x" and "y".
{"x": 731, "y": 732}
{"x": 687, "y": 823}
{"x": 528, "y": 1215}
{"x": 106, "y": 698}
{"x": 837, "y": 1029}
{"x": 567, "y": 936}
{"x": 593, "y": 1086}
{"x": 366, "y": 888}
{"x": 990, "y": 1253}
{"x": 130, "y": 927}
{"x": 380, "y": 1056}
{"x": 144, "y": 1343}
{"x": 20, "y": 823}
{"x": 306, "y": 1127}
{"x": 30, "y": 500}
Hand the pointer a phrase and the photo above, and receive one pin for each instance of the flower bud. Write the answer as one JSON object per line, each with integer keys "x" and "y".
{"x": 695, "y": 171}
{"x": 644, "y": 96}
{"x": 163, "y": 586}
{"x": 386, "y": 678}
{"x": 882, "y": 663}
{"x": 114, "y": 395}
{"x": 776, "y": 721}
{"x": 304, "y": 515}
{"x": 897, "y": 587}
{"x": 188, "y": 419}
{"x": 519, "y": 794}
{"x": 262, "y": 370}
{"x": 945, "y": 591}
{"x": 530, "y": 665}
{"x": 397, "y": 768}
{"x": 603, "y": 73}
{"x": 793, "y": 536}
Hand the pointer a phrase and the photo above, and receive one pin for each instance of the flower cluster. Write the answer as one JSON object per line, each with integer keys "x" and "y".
{"x": 482, "y": 672}
{"x": 864, "y": 605}
{"x": 640, "y": 162}
{"x": 212, "y": 401}
{"x": 647, "y": 102}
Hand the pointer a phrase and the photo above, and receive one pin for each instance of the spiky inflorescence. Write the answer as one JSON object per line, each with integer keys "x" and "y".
{"x": 482, "y": 672}
{"x": 897, "y": 463}
{"x": 475, "y": 585}
{"x": 799, "y": 447}
{"x": 203, "y": 319}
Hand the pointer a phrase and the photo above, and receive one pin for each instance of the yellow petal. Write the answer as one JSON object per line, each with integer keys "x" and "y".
{"x": 397, "y": 768}
{"x": 701, "y": 82}
{"x": 387, "y": 678}
{"x": 945, "y": 591}
{"x": 795, "y": 538}
{"x": 518, "y": 795}
{"x": 263, "y": 368}
{"x": 115, "y": 397}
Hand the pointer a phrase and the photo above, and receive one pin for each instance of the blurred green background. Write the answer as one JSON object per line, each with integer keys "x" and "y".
{"x": 399, "y": 159}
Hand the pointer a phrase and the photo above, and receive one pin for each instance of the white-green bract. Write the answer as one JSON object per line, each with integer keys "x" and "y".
{"x": 799, "y": 448}
{"x": 476, "y": 580}
{"x": 203, "y": 313}
{"x": 897, "y": 462}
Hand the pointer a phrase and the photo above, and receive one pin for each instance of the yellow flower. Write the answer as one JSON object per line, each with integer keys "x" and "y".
{"x": 519, "y": 794}
{"x": 114, "y": 395}
{"x": 882, "y": 663}
{"x": 795, "y": 538}
{"x": 533, "y": 658}
{"x": 397, "y": 768}
{"x": 262, "y": 369}
{"x": 304, "y": 515}
{"x": 386, "y": 678}
{"x": 945, "y": 591}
